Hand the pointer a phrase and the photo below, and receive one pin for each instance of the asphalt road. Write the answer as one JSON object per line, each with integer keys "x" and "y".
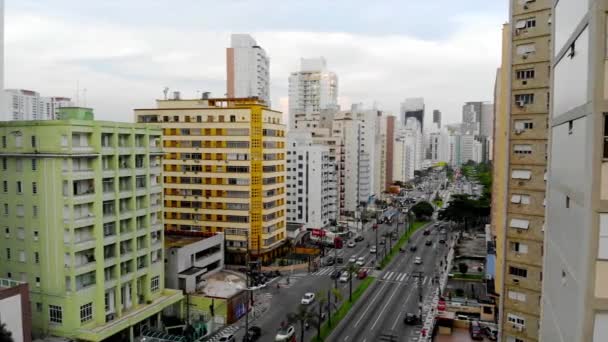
{"x": 394, "y": 294}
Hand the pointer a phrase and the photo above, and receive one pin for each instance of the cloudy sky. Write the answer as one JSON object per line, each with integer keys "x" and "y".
{"x": 124, "y": 52}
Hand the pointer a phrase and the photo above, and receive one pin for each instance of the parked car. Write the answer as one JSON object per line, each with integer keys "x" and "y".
{"x": 340, "y": 260}
{"x": 418, "y": 260}
{"x": 335, "y": 274}
{"x": 352, "y": 260}
{"x": 373, "y": 250}
{"x": 382, "y": 242}
{"x": 428, "y": 242}
{"x": 329, "y": 261}
{"x": 475, "y": 330}
{"x": 426, "y": 232}
{"x": 227, "y": 338}
{"x": 410, "y": 319}
{"x": 359, "y": 238}
{"x": 360, "y": 261}
{"x": 345, "y": 277}
{"x": 491, "y": 333}
{"x": 351, "y": 244}
{"x": 413, "y": 248}
{"x": 285, "y": 334}
{"x": 362, "y": 274}
{"x": 308, "y": 298}
{"x": 253, "y": 334}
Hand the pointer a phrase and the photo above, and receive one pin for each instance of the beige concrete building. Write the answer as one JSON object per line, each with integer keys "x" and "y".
{"x": 522, "y": 249}
{"x": 224, "y": 171}
{"x": 575, "y": 281}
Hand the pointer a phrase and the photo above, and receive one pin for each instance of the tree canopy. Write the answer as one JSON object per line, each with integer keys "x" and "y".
{"x": 423, "y": 209}
{"x": 462, "y": 208}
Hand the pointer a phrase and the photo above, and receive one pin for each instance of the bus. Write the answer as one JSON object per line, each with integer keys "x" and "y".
{"x": 326, "y": 238}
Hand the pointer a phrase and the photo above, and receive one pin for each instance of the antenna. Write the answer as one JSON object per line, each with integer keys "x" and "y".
{"x": 166, "y": 91}
{"x": 84, "y": 95}
{"x": 77, "y": 93}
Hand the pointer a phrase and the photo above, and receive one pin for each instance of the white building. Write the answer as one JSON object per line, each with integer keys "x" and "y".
{"x": 438, "y": 146}
{"x": 407, "y": 150}
{"x": 454, "y": 150}
{"x": 478, "y": 151}
{"x": 311, "y": 181}
{"x": 413, "y": 108}
{"x": 21, "y": 104}
{"x": 247, "y": 68}
{"x": 311, "y": 90}
{"x": 466, "y": 148}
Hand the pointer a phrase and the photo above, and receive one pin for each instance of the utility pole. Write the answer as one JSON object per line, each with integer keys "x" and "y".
{"x": 376, "y": 229}
{"x": 418, "y": 275}
{"x": 247, "y": 285}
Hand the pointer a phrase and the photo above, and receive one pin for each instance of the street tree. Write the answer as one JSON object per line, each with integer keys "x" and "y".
{"x": 322, "y": 298}
{"x": 423, "y": 209}
{"x": 352, "y": 270}
{"x": 337, "y": 297}
{"x": 463, "y": 268}
{"x": 303, "y": 315}
{"x": 5, "y": 334}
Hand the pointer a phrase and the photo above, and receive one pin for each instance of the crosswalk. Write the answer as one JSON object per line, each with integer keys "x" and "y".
{"x": 324, "y": 271}
{"x": 401, "y": 277}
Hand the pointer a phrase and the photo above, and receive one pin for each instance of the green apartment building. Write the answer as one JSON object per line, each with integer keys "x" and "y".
{"x": 81, "y": 222}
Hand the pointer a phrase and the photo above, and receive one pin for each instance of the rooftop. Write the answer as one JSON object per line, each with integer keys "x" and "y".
{"x": 223, "y": 284}
{"x": 458, "y": 335}
{"x": 181, "y": 239}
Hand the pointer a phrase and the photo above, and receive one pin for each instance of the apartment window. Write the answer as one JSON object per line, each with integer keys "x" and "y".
{"x": 38, "y": 307}
{"x": 521, "y": 125}
{"x": 33, "y": 140}
{"x": 34, "y": 187}
{"x": 524, "y": 99}
{"x": 518, "y": 272}
{"x": 8, "y": 254}
{"x": 86, "y": 312}
{"x": 521, "y": 174}
{"x": 20, "y": 210}
{"x": 522, "y": 149}
{"x": 4, "y": 164}
{"x": 35, "y": 211}
{"x": 34, "y": 164}
{"x": 524, "y": 50}
{"x": 518, "y": 296}
{"x": 20, "y": 233}
{"x": 5, "y": 186}
{"x": 524, "y": 74}
{"x": 35, "y": 235}
{"x": 518, "y": 247}
{"x": 232, "y": 118}
{"x": 4, "y": 141}
{"x": 5, "y": 208}
{"x": 22, "y": 256}
{"x": 520, "y": 199}
{"x": 18, "y": 140}
{"x": 525, "y": 23}
{"x": 155, "y": 284}
{"x": 64, "y": 140}
{"x": 56, "y": 314}
{"x": 18, "y": 165}
{"x": 19, "y": 187}
{"x": 37, "y": 257}
{"x": 570, "y": 126}
{"x": 519, "y": 223}
{"x": 514, "y": 319}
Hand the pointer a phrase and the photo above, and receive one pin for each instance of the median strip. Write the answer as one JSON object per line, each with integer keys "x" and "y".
{"x": 400, "y": 243}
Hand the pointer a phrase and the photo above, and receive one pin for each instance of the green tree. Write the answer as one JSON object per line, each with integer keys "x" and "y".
{"x": 463, "y": 209}
{"x": 322, "y": 298}
{"x": 423, "y": 209}
{"x": 352, "y": 270}
{"x": 303, "y": 315}
{"x": 463, "y": 268}
{"x": 337, "y": 298}
{"x": 5, "y": 334}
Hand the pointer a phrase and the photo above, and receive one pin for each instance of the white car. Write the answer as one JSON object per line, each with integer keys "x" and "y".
{"x": 373, "y": 250}
{"x": 352, "y": 260}
{"x": 285, "y": 334}
{"x": 308, "y": 298}
{"x": 345, "y": 277}
{"x": 418, "y": 260}
{"x": 351, "y": 244}
{"x": 360, "y": 261}
{"x": 227, "y": 338}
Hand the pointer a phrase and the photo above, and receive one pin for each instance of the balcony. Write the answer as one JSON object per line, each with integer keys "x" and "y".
{"x": 84, "y": 281}
{"x": 84, "y": 220}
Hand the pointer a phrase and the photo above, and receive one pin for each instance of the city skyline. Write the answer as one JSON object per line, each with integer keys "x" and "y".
{"x": 144, "y": 57}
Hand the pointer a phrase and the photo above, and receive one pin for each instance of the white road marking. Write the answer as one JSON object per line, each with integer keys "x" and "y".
{"x": 346, "y": 338}
{"x": 424, "y": 281}
{"x": 396, "y": 320}
{"x": 384, "y": 308}
{"x": 390, "y": 275}
{"x": 402, "y": 278}
{"x": 370, "y": 305}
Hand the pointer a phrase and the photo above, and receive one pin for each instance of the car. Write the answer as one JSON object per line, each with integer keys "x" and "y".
{"x": 360, "y": 261}
{"x": 340, "y": 260}
{"x": 373, "y": 250}
{"x": 413, "y": 248}
{"x": 442, "y": 241}
{"x": 436, "y": 225}
{"x": 491, "y": 333}
{"x": 227, "y": 338}
{"x": 335, "y": 274}
{"x": 344, "y": 277}
{"x": 329, "y": 261}
{"x": 418, "y": 260}
{"x": 285, "y": 334}
{"x": 426, "y": 232}
{"x": 359, "y": 238}
{"x": 410, "y": 319}
{"x": 351, "y": 244}
{"x": 308, "y": 298}
{"x": 428, "y": 242}
{"x": 382, "y": 242}
{"x": 475, "y": 330}
{"x": 253, "y": 334}
{"x": 352, "y": 260}
{"x": 362, "y": 274}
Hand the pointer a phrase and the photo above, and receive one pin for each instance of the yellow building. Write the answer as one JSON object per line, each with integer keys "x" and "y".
{"x": 224, "y": 171}
{"x": 499, "y": 161}
{"x": 528, "y": 102}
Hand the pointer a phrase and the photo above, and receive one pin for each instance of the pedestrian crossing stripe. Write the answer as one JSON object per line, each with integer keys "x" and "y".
{"x": 394, "y": 276}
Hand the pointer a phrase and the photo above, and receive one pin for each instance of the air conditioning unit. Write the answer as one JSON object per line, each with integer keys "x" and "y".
{"x": 516, "y": 281}
{"x": 520, "y": 103}
{"x": 524, "y": 56}
{"x": 518, "y": 327}
{"x": 519, "y": 131}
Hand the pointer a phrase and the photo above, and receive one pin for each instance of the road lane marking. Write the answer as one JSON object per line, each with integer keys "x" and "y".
{"x": 390, "y": 275}
{"x": 402, "y": 277}
{"x": 396, "y": 320}
{"x": 370, "y": 305}
{"x": 424, "y": 281}
{"x": 346, "y": 338}
{"x": 385, "y": 305}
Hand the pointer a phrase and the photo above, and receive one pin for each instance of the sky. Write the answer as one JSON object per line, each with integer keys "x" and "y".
{"x": 117, "y": 55}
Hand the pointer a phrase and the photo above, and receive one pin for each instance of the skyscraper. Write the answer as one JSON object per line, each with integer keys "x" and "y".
{"x": 311, "y": 90}
{"x": 437, "y": 117}
{"x": 522, "y": 247}
{"x": 471, "y": 118}
{"x": 575, "y": 270}
{"x": 413, "y": 108}
{"x": 248, "y": 69}
{"x": 21, "y": 104}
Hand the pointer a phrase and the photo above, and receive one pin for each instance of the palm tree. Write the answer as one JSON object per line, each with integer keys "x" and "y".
{"x": 302, "y": 315}
{"x": 5, "y": 334}
{"x": 352, "y": 269}
{"x": 322, "y": 298}
{"x": 337, "y": 297}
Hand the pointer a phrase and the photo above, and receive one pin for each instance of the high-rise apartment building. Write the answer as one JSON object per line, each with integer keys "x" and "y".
{"x": 390, "y": 146}
{"x": 311, "y": 90}
{"x": 437, "y": 118}
{"x": 407, "y": 152}
{"x": 527, "y": 159}
{"x": 2, "y": 105}
{"x": 82, "y": 221}
{"x": 247, "y": 69}
{"x": 471, "y": 118}
{"x": 21, "y": 104}
{"x": 413, "y": 108}
{"x": 224, "y": 171}
{"x": 575, "y": 269}
{"x": 311, "y": 182}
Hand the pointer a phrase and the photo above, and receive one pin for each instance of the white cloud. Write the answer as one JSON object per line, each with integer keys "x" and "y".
{"x": 125, "y": 67}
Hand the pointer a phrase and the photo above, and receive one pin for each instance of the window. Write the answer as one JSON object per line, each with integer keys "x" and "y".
{"x": 20, "y": 233}
{"x": 19, "y": 187}
{"x": 514, "y": 339}
{"x": 517, "y": 296}
{"x": 34, "y": 164}
{"x": 38, "y": 307}
{"x": 56, "y": 314}
{"x": 35, "y": 235}
{"x": 155, "y": 284}
{"x": 4, "y": 164}
{"x": 570, "y": 126}
{"x": 522, "y": 149}
{"x": 567, "y": 201}
{"x": 516, "y": 320}
{"x": 86, "y": 312}
{"x": 524, "y": 99}
{"x": 37, "y": 257}
{"x": 21, "y": 256}
{"x": 521, "y": 125}
{"x": 34, "y": 187}
{"x": 5, "y": 186}
{"x": 524, "y": 50}
{"x": 18, "y": 165}
{"x": 18, "y": 140}
{"x": 20, "y": 211}
{"x": 35, "y": 211}
{"x": 518, "y": 247}
{"x": 4, "y": 141}
{"x": 5, "y": 208}
{"x": 520, "y": 198}
{"x": 518, "y": 272}
{"x": 521, "y": 174}
{"x": 8, "y": 254}
{"x": 33, "y": 141}
{"x": 64, "y": 140}
{"x": 519, "y": 223}
{"x": 524, "y": 74}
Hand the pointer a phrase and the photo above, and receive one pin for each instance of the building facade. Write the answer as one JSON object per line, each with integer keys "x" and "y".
{"x": 413, "y": 108}
{"x": 224, "y": 170}
{"x": 15, "y": 309}
{"x": 390, "y": 150}
{"x": 311, "y": 90}
{"x": 527, "y": 160}
{"x": 21, "y": 104}
{"x": 247, "y": 69}
{"x": 575, "y": 269}
{"x": 86, "y": 195}
{"x": 437, "y": 118}
{"x": 408, "y": 148}
{"x": 311, "y": 182}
